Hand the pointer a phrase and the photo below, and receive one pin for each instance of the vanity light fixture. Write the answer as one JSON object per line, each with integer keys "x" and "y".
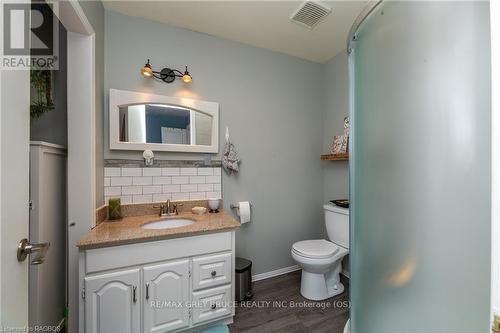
{"x": 167, "y": 75}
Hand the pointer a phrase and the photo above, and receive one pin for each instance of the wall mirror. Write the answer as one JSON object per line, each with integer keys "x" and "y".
{"x": 139, "y": 121}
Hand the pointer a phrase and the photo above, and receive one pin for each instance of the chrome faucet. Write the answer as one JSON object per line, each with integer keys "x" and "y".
{"x": 168, "y": 208}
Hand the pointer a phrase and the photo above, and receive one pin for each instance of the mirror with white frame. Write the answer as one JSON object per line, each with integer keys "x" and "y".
{"x": 140, "y": 121}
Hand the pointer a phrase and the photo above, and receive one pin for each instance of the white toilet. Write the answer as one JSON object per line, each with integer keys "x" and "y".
{"x": 321, "y": 260}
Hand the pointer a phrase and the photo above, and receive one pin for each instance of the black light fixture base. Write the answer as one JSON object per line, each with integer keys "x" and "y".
{"x": 167, "y": 75}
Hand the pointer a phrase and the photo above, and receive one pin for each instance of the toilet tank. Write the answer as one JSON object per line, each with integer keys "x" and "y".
{"x": 337, "y": 224}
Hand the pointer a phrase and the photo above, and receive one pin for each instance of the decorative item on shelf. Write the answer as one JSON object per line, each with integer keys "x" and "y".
{"x": 230, "y": 158}
{"x": 167, "y": 75}
{"x": 345, "y": 141}
{"x": 337, "y": 144}
{"x": 114, "y": 209}
{"x": 340, "y": 143}
{"x": 213, "y": 204}
{"x": 41, "y": 82}
{"x": 149, "y": 157}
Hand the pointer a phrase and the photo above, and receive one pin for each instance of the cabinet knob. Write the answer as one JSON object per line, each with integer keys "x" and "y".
{"x": 214, "y": 273}
{"x": 213, "y": 306}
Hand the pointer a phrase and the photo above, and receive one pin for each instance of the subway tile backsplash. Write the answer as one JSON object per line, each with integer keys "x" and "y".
{"x": 145, "y": 185}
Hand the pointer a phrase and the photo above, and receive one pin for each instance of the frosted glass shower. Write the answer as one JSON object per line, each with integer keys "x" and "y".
{"x": 420, "y": 168}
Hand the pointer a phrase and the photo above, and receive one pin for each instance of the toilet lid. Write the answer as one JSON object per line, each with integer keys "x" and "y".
{"x": 317, "y": 248}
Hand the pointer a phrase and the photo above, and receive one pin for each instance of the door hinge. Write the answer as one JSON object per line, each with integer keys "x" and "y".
{"x": 83, "y": 293}
{"x": 31, "y": 205}
{"x": 189, "y": 272}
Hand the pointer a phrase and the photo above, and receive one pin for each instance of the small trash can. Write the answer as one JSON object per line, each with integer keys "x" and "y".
{"x": 243, "y": 279}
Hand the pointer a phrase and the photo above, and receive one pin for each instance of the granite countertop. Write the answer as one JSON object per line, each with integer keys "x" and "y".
{"x": 128, "y": 230}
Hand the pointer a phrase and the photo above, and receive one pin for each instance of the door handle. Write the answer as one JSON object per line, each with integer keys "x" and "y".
{"x": 147, "y": 290}
{"x": 134, "y": 294}
{"x": 25, "y": 247}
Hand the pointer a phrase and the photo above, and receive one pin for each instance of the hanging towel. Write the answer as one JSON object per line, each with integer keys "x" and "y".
{"x": 230, "y": 159}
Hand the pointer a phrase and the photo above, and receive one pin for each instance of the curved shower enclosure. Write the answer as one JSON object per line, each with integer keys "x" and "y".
{"x": 420, "y": 167}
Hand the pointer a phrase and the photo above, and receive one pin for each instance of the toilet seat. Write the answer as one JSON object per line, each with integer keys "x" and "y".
{"x": 315, "y": 249}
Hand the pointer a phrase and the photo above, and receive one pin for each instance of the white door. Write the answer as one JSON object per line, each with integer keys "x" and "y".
{"x": 14, "y": 196}
{"x": 111, "y": 302}
{"x": 166, "y": 296}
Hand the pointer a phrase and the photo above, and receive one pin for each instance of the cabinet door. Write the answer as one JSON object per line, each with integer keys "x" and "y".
{"x": 111, "y": 302}
{"x": 166, "y": 296}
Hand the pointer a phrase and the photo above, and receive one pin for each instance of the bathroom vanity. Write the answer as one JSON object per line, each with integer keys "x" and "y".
{"x": 134, "y": 279}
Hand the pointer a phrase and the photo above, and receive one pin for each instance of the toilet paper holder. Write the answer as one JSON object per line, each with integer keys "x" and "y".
{"x": 237, "y": 207}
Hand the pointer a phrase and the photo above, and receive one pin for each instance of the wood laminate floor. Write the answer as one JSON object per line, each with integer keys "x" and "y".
{"x": 277, "y": 306}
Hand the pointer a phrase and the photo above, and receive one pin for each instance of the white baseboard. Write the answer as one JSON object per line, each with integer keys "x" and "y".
{"x": 274, "y": 273}
{"x": 284, "y": 270}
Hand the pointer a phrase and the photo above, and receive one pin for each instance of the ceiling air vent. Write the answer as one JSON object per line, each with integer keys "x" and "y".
{"x": 310, "y": 13}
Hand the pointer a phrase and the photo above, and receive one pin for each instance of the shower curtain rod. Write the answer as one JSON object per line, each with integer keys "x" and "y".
{"x": 372, "y": 4}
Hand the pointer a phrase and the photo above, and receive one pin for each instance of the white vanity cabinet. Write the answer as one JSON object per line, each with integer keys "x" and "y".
{"x": 158, "y": 286}
{"x": 112, "y": 295}
{"x": 166, "y": 282}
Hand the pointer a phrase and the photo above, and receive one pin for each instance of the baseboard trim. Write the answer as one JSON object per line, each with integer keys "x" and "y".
{"x": 277, "y": 272}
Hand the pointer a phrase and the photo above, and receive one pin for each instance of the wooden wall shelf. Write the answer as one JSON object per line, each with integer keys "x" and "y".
{"x": 335, "y": 157}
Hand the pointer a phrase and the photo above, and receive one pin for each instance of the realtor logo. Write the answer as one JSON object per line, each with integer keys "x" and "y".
{"x": 30, "y": 35}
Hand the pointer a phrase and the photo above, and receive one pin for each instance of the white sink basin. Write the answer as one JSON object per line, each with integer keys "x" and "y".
{"x": 168, "y": 224}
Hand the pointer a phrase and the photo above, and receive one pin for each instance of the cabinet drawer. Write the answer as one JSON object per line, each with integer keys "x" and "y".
{"x": 211, "y": 304}
{"x": 212, "y": 270}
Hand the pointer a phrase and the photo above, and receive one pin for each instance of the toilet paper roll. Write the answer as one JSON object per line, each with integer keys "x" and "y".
{"x": 244, "y": 211}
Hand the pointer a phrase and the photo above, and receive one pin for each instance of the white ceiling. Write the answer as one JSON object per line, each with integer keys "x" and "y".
{"x": 264, "y": 24}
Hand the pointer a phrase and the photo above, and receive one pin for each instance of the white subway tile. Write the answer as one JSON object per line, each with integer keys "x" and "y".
{"x": 143, "y": 198}
{"x": 205, "y": 171}
{"x": 126, "y": 199}
{"x": 213, "y": 195}
{"x": 197, "y": 196}
{"x": 189, "y": 188}
{"x": 112, "y": 191}
{"x": 131, "y": 172}
{"x": 170, "y": 171}
{"x": 142, "y": 180}
{"x": 151, "y": 189}
{"x": 213, "y": 179}
{"x": 161, "y": 197}
{"x": 121, "y": 181}
{"x": 217, "y": 171}
{"x": 107, "y": 181}
{"x": 128, "y": 190}
{"x": 171, "y": 188}
{"x": 189, "y": 171}
{"x": 180, "y": 196}
{"x": 180, "y": 180}
{"x": 205, "y": 187}
{"x": 162, "y": 180}
{"x": 197, "y": 179}
{"x": 218, "y": 187}
{"x": 112, "y": 172}
{"x": 151, "y": 171}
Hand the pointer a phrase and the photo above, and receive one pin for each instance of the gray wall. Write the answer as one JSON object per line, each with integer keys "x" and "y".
{"x": 52, "y": 126}
{"x": 94, "y": 11}
{"x": 336, "y": 107}
{"x": 272, "y": 104}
